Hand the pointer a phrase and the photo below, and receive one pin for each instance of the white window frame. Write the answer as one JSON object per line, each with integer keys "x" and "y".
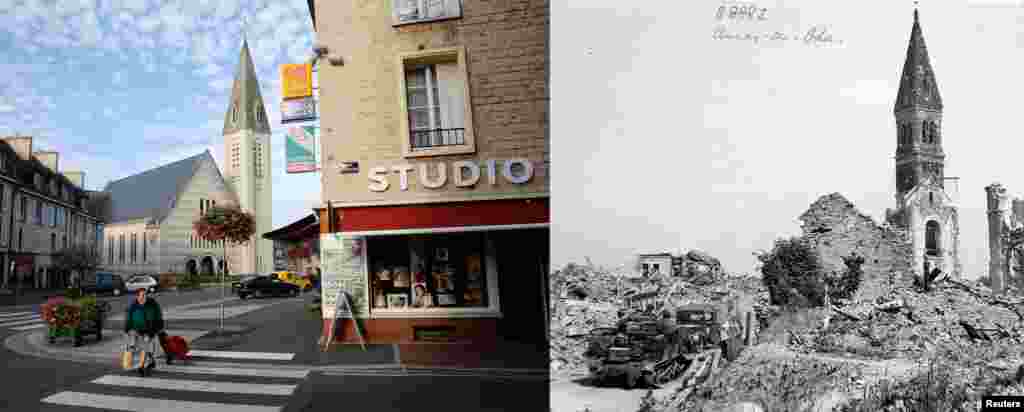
{"x": 420, "y": 5}
{"x": 435, "y": 56}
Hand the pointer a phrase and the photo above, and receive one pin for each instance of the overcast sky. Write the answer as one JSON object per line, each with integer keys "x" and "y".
{"x": 667, "y": 139}
{"x": 122, "y": 86}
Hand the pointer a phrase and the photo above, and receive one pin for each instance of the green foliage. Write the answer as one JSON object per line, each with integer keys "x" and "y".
{"x": 846, "y": 284}
{"x": 89, "y": 306}
{"x": 72, "y": 293}
{"x": 792, "y": 273}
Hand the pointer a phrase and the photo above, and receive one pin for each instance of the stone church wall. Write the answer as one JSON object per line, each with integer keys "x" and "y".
{"x": 835, "y": 229}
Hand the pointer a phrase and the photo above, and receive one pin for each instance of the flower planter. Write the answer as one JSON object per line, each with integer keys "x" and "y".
{"x": 86, "y": 327}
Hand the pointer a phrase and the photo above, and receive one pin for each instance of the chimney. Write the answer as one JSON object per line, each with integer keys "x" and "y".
{"x": 77, "y": 178}
{"x": 48, "y": 159}
{"x": 22, "y": 146}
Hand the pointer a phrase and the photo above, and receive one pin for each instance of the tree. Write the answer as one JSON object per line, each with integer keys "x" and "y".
{"x": 793, "y": 274}
{"x": 225, "y": 224}
{"x": 77, "y": 258}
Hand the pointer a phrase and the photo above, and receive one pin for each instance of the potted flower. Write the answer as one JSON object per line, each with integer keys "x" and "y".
{"x": 63, "y": 317}
{"x": 74, "y": 318}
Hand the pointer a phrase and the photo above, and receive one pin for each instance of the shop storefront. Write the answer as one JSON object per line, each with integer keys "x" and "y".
{"x": 469, "y": 271}
{"x": 297, "y": 246}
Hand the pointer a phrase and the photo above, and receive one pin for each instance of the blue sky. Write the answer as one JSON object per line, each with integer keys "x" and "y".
{"x": 666, "y": 139}
{"x": 121, "y": 86}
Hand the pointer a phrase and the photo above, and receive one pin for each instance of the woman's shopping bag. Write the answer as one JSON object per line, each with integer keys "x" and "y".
{"x": 126, "y": 357}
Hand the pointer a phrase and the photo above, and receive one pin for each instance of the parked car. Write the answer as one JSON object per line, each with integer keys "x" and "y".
{"x": 142, "y": 282}
{"x": 266, "y": 285}
{"x": 106, "y": 282}
{"x": 297, "y": 279}
{"x": 241, "y": 278}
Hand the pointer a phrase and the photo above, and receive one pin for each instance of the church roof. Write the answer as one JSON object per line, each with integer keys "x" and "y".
{"x": 151, "y": 193}
{"x": 918, "y": 88}
{"x": 245, "y": 93}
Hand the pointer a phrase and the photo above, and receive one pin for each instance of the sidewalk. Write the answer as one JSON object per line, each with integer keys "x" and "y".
{"x": 27, "y": 296}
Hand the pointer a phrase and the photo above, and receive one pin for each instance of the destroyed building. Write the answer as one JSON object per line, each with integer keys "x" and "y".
{"x": 836, "y": 229}
{"x": 1005, "y": 213}
{"x": 694, "y": 263}
{"x": 923, "y": 207}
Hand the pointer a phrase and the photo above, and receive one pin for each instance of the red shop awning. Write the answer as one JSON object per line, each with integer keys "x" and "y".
{"x": 445, "y": 217}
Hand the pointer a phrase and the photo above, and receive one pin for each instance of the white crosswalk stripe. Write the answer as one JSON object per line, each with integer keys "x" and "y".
{"x": 20, "y": 321}
{"x": 177, "y": 387}
{"x": 242, "y": 355}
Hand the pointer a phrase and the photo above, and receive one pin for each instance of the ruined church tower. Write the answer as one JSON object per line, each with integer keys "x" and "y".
{"x": 923, "y": 207}
{"x": 247, "y": 163}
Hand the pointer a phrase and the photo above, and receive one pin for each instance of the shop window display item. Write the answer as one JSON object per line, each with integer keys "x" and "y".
{"x": 421, "y": 299}
{"x": 401, "y": 278}
{"x": 398, "y": 301}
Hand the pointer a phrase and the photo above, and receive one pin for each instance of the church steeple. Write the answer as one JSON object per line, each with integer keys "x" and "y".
{"x": 246, "y": 110}
{"x": 918, "y": 112}
{"x": 918, "y": 88}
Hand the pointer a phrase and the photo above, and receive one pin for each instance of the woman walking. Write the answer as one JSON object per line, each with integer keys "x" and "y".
{"x": 143, "y": 322}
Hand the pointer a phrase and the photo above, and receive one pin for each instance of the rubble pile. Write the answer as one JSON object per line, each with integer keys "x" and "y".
{"x": 700, "y": 267}
{"x": 584, "y": 298}
{"x": 767, "y": 375}
{"x": 909, "y": 323}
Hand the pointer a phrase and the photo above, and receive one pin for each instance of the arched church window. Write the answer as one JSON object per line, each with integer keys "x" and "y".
{"x": 931, "y": 238}
{"x": 259, "y": 112}
{"x": 234, "y": 113}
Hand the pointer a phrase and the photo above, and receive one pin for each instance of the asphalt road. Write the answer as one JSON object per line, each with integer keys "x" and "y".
{"x": 376, "y": 391}
{"x": 26, "y": 380}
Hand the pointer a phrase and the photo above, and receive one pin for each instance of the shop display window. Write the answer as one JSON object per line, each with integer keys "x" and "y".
{"x": 421, "y": 272}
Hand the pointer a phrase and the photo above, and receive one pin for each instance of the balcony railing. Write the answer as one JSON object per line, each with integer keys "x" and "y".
{"x": 429, "y": 138}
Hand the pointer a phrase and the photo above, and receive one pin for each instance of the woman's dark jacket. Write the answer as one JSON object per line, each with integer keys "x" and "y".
{"x": 145, "y": 319}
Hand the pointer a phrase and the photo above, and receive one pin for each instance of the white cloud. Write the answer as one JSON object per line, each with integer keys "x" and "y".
{"x": 223, "y": 83}
{"x": 6, "y": 108}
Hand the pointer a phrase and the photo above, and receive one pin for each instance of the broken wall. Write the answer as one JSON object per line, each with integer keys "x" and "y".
{"x": 835, "y": 229}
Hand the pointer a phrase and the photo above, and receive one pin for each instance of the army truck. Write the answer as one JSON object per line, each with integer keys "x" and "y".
{"x": 646, "y": 350}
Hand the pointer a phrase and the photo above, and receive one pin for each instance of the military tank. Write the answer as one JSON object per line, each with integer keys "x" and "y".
{"x": 648, "y": 349}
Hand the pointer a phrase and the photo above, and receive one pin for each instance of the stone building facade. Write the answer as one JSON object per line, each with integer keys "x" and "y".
{"x": 436, "y": 151}
{"x": 1005, "y": 213}
{"x": 42, "y": 211}
{"x": 923, "y": 207}
{"x": 834, "y": 228}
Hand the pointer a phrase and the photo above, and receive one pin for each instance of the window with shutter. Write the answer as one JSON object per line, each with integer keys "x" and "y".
{"x": 434, "y": 95}
{"x": 419, "y": 11}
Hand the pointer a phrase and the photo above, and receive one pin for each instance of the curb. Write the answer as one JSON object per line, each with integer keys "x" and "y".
{"x": 19, "y": 344}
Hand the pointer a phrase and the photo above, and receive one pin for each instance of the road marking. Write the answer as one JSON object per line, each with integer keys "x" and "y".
{"x": 197, "y": 386}
{"x": 36, "y": 326}
{"x": 209, "y": 370}
{"x": 131, "y": 403}
{"x": 22, "y": 321}
{"x": 242, "y": 355}
{"x": 15, "y": 314}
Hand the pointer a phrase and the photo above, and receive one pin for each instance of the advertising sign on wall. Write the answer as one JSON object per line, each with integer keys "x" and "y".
{"x": 342, "y": 261}
{"x": 300, "y": 149}
{"x": 296, "y": 81}
{"x": 298, "y": 110}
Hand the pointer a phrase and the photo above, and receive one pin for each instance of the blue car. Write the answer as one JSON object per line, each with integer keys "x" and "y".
{"x": 106, "y": 283}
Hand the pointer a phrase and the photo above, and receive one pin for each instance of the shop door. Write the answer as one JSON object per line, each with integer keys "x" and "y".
{"x": 522, "y": 257}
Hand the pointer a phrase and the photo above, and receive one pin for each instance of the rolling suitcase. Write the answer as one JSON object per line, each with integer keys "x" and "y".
{"x": 175, "y": 347}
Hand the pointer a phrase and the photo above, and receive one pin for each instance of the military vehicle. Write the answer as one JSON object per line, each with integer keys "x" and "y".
{"x": 643, "y": 349}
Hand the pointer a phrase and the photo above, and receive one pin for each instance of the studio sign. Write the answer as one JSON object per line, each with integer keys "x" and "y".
{"x": 379, "y": 175}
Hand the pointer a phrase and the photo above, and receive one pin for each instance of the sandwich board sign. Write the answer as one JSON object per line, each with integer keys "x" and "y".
{"x": 343, "y": 310}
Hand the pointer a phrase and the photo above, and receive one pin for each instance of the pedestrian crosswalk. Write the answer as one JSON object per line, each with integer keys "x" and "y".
{"x": 21, "y": 321}
{"x": 177, "y": 387}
